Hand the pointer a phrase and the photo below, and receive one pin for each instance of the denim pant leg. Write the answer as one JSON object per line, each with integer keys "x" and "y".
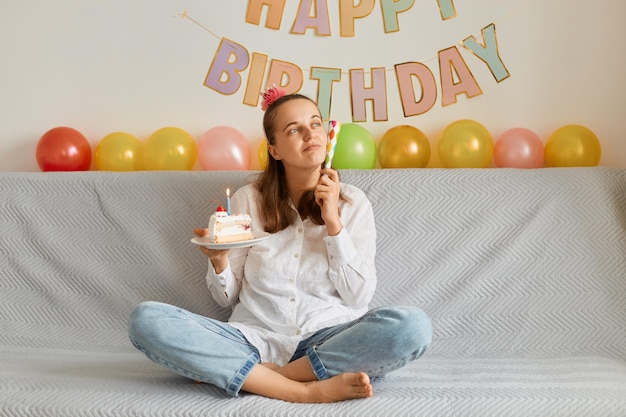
{"x": 191, "y": 345}
{"x": 382, "y": 340}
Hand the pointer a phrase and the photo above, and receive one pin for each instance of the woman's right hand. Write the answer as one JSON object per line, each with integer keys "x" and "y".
{"x": 218, "y": 257}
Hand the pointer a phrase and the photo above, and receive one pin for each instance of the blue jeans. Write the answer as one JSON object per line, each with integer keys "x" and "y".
{"x": 212, "y": 351}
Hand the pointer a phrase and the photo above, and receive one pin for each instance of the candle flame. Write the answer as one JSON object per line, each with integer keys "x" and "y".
{"x": 228, "y": 192}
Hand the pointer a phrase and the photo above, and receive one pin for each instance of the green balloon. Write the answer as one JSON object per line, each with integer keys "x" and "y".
{"x": 355, "y": 149}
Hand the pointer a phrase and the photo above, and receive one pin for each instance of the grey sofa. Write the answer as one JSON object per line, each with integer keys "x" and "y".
{"x": 523, "y": 273}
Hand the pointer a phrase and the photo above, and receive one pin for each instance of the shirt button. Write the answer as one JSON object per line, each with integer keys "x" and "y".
{"x": 299, "y": 332}
{"x": 295, "y": 255}
{"x": 300, "y": 230}
{"x": 293, "y": 300}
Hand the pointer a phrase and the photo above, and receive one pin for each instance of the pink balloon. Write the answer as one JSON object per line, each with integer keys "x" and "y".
{"x": 518, "y": 148}
{"x": 224, "y": 148}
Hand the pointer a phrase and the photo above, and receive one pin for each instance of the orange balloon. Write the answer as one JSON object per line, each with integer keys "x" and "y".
{"x": 572, "y": 146}
{"x": 404, "y": 147}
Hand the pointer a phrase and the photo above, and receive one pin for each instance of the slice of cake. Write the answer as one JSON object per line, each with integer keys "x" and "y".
{"x": 227, "y": 229}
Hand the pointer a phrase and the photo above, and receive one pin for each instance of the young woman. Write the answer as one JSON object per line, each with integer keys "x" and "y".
{"x": 300, "y": 330}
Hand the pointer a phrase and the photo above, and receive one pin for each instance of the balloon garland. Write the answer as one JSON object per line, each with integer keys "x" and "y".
{"x": 462, "y": 144}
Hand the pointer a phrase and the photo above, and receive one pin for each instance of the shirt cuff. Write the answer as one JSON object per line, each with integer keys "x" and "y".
{"x": 340, "y": 248}
{"x": 220, "y": 280}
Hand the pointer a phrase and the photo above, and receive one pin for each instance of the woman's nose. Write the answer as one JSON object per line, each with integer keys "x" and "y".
{"x": 307, "y": 133}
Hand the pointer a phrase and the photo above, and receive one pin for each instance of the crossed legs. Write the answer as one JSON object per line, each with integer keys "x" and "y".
{"x": 334, "y": 364}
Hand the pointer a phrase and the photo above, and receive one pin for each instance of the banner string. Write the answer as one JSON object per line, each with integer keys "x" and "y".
{"x": 185, "y": 15}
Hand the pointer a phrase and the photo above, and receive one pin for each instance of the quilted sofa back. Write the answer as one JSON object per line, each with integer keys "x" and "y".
{"x": 506, "y": 262}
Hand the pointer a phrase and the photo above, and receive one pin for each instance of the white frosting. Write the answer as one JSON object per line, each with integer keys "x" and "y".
{"x": 224, "y": 228}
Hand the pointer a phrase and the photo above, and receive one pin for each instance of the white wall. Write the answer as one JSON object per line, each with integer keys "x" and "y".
{"x": 112, "y": 65}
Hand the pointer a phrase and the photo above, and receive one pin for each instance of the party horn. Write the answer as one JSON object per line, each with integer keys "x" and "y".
{"x": 333, "y": 132}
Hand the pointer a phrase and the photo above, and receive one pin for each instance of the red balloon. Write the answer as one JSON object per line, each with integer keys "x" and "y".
{"x": 63, "y": 149}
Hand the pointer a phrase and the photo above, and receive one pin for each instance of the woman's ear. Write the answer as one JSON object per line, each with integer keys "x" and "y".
{"x": 272, "y": 150}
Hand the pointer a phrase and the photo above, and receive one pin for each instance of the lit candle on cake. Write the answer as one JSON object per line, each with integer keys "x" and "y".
{"x": 228, "y": 201}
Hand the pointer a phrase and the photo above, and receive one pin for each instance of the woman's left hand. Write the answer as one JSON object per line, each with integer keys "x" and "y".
{"x": 218, "y": 257}
{"x": 327, "y": 197}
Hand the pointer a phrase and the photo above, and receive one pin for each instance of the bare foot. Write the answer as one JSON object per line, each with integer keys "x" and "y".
{"x": 342, "y": 387}
{"x": 303, "y": 388}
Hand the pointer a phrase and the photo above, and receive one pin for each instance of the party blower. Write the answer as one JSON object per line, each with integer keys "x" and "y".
{"x": 333, "y": 131}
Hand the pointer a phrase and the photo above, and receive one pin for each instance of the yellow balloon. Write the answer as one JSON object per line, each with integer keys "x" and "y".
{"x": 119, "y": 151}
{"x": 170, "y": 148}
{"x": 465, "y": 144}
{"x": 262, "y": 153}
{"x": 404, "y": 147}
{"x": 572, "y": 146}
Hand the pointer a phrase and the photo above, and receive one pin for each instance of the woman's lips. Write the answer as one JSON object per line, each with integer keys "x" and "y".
{"x": 312, "y": 148}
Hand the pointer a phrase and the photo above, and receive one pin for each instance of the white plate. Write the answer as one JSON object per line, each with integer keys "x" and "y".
{"x": 205, "y": 241}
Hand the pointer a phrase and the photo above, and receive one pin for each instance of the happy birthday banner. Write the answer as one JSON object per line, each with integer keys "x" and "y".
{"x": 416, "y": 81}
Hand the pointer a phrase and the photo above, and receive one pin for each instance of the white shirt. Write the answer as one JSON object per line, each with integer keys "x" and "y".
{"x": 298, "y": 280}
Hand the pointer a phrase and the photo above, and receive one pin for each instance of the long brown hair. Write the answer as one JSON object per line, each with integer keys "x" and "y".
{"x": 274, "y": 207}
